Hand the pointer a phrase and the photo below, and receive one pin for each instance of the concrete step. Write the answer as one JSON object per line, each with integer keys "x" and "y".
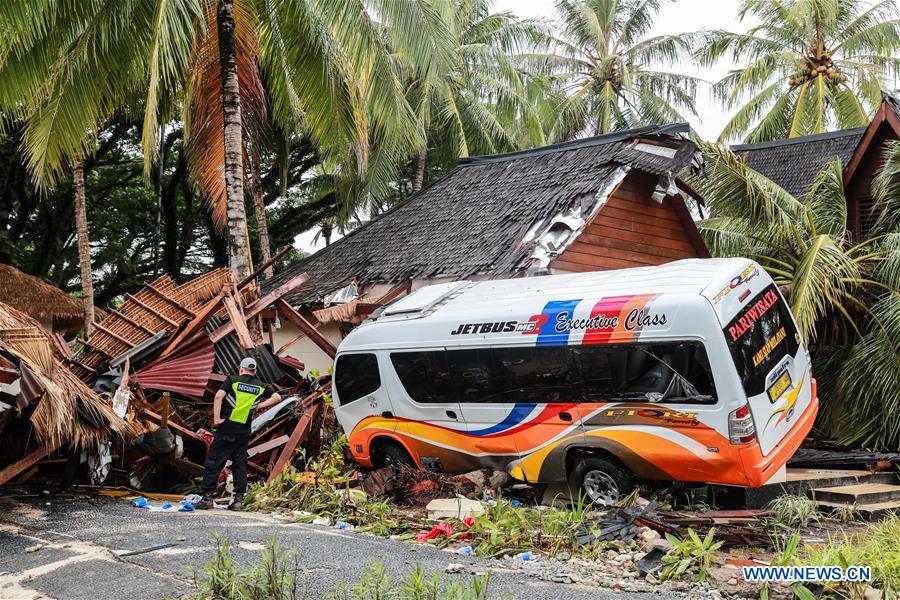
{"x": 868, "y": 512}
{"x": 860, "y": 493}
{"x": 801, "y": 482}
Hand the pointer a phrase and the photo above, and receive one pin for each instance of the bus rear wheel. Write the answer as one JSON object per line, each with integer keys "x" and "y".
{"x": 393, "y": 455}
{"x": 600, "y": 480}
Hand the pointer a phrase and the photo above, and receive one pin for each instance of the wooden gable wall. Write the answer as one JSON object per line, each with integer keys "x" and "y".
{"x": 864, "y": 166}
{"x": 632, "y": 230}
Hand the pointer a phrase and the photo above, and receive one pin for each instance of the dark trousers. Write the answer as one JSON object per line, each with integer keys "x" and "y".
{"x": 228, "y": 444}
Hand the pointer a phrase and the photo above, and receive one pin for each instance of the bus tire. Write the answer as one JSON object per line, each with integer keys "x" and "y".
{"x": 601, "y": 480}
{"x": 392, "y": 455}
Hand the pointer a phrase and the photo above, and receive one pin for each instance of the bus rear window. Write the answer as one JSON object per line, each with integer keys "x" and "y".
{"x": 759, "y": 337}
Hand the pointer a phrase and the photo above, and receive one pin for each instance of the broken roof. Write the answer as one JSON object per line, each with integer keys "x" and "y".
{"x": 473, "y": 221}
{"x": 793, "y": 163}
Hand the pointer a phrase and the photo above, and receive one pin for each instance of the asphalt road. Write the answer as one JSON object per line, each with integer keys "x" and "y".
{"x": 57, "y": 547}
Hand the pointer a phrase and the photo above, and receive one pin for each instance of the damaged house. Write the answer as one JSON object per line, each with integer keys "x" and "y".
{"x": 793, "y": 163}
{"x": 606, "y": 202}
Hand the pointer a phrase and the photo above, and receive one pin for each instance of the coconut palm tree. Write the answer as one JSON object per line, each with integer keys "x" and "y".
{"x": 844, "y": 293}
{"x": 465, "y": 103}
{"x": 811, "y": 66}
{"x": 68, "y": 66}
{"x": 609, "y": 68}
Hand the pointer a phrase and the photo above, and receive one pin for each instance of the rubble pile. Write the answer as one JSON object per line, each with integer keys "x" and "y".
{"x": 133, "y": 401}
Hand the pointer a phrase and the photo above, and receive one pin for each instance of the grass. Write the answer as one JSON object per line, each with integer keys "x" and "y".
{"x": 278, "y": 576}
{"x": 793, "y": 512}
{"x": 877, "y": 547}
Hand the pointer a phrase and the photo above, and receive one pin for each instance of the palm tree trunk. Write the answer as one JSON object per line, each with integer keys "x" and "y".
{"x": 420, "y": 168}
{"x": 262, "y": 226}
{"x": 234, "y": 160}
{"x": 84, "y": 248}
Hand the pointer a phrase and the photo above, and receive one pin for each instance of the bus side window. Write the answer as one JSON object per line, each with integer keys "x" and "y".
{"x": 355, "y": 376}
{"x": 424, "y": 375}
{"x": 514, "y": 374}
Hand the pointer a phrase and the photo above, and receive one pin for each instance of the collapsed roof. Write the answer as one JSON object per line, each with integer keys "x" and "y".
{"x": 491, "y": 215}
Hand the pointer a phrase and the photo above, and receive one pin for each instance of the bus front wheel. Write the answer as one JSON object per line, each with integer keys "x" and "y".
{"x": 393, "y": 455}
{"x": 601, "y": 480}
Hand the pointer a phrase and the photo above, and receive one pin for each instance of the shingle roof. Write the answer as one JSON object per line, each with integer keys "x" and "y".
{"x": 793, "y": 163}
{"x": 473, "y": 220}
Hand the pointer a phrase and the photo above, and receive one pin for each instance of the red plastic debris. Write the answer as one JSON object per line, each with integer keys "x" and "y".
{"x": 442, "y": 528}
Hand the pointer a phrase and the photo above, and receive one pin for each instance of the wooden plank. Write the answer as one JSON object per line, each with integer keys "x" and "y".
{"x": 239, "y": 323}
{"x": 298, "y": 435}
{"x": 270, "y": 445}
{"x": 115, "y": 336}
{"x": 863, "y": 146}
{"x": 600, "y": 262}
{"x": 150, "y": 310}
{"x": 261, "y": 269}
{"x": 633, "y": 223}
{"x": 170, "y": 301}
{"x": 636, "y": 258}
{"x": 155, "y": 418}
{"x": 132, "y": 322}
{"x": 614, "y": 246}
{"x": 260, "y": 305}
{"x": 25, "y": 463}
{"x": 690, "y": 228}
{"x": 633, "y": 213}
{"x": 675, "y": 244}
{"x": 288, "y": 312}
{"x": 195, "y": 325}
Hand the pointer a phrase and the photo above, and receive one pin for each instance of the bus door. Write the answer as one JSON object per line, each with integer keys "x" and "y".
{"x": 429, "y": 418}
{"x": 517, "y": 401}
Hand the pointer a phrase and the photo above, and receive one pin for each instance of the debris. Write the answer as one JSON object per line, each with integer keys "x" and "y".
{"x": 617, "y": 524}
{"x": 438, "y": 530}
{"x": 651, "y": 563}
{"x": 843, "y": 457}
{"x": 456, "y": 508}
{"x": 648, "y": 538}
{"x": 152, "y": 548}
{"x": 454, "y": 568}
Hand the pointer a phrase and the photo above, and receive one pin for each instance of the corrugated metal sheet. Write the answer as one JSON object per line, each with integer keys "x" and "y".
{"x": 229, "y": 355}
{"x": 186, "y": 371}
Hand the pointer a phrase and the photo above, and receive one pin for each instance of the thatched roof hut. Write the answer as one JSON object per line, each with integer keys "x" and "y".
{"x": 56, "y": 310}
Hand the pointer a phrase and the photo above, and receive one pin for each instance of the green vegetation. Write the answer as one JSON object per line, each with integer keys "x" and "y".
{"x": 843, "y": 292}
{"x": 278, "y": 576}
{"x": 692, "y": 555}
{"x": 608, "y": 68}
{"x": 878, "y": 546}
{"x": 810, "y": 67}
{"x": 792, "y": 512}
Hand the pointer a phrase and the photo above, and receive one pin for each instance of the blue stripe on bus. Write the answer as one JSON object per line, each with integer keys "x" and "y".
{"x": 515, "y": 416}
{"x": 548, "y": 335}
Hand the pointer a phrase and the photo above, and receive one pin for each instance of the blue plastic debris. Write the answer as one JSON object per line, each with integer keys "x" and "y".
{"x": 141, "y": 502}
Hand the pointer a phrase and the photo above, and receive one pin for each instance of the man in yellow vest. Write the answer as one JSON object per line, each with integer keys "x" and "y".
{"x": 232, "y": 418}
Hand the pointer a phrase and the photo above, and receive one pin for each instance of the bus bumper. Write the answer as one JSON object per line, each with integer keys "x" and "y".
{"x": 758, "y": 468}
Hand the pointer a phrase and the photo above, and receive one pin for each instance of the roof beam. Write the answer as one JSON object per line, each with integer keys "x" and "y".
{"x": 288, "y": 312}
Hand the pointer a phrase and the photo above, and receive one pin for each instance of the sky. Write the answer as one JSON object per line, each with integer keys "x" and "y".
{"x": 674, "y": 18}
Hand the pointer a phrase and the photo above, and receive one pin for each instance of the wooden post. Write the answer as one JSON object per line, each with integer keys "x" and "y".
{"x": 298, "y": 435}
{"x": 25, "y": 462}
{"x": 164, "y": 411}
{"x": 288, "y": 312}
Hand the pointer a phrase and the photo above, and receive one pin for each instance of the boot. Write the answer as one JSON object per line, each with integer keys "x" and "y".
{"x": 205, "y": 503}
{"x": 236, "y": 505}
